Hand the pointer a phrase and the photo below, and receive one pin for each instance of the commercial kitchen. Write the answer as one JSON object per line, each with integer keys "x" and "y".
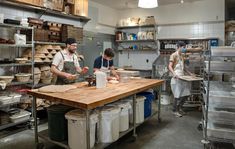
{"x": 93, "y": 74}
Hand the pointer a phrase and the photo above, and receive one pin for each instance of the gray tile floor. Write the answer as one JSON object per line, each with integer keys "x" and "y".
{"x": 171, "y": 133}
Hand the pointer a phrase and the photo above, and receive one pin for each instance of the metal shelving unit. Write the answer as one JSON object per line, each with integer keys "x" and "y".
{"x": 17, "y": 65}
{"x": 219, "y": 101}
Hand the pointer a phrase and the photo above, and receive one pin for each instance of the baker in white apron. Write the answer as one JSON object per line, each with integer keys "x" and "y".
{"x": 180, "y": 88}
{"x": 104, "y": 63}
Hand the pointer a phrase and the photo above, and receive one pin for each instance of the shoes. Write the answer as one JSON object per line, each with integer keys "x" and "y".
{"x": 182, "y": 112}
{"x": 177, "y": 114}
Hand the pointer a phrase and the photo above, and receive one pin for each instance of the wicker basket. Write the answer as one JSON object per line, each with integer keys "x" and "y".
{"x": 23, "y": 77}
{"x": 7, "y": 79}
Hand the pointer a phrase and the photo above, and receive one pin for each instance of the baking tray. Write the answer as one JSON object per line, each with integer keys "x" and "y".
{"x": 223, "y": 51}
{"x": 222, "y": 131}
{"x": 222, "y": 115}
{"x": 220, "y": 99}
{"x": 220, "y": 66}
{"x": 190, "y": 78}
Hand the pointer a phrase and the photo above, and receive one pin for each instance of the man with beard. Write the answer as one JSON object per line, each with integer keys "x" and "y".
{"x": 65, "y": 64}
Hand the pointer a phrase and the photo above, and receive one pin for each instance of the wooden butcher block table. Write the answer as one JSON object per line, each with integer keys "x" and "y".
{"x": 88, "y": 98}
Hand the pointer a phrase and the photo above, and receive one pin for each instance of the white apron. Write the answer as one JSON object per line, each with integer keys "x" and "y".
{"x": 105, "y": 69}
{"x": 179, "y": 87}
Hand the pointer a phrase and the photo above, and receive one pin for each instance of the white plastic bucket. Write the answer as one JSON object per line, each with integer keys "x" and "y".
{"x": 139, "y": 109}
{"x": 109, "y": 124}
{"x": 124, "y": 115}
{"x": 77, "y": 129}
{"x": 101, "y": 79}
{"x": 165, "y": 99}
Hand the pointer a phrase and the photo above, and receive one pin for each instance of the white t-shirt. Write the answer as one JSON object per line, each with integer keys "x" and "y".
{"x": 58, "y": 59}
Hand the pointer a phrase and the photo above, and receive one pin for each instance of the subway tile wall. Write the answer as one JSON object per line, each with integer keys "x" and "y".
{"x": 137, "y": 59}
{"x": 199, "y": 30}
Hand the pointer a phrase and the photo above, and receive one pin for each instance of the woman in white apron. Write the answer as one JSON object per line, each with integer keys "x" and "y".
{"x": 180, "y": 88}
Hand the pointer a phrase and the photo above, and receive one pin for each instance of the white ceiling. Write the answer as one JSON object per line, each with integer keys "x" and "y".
{"x": 125, "y": 4}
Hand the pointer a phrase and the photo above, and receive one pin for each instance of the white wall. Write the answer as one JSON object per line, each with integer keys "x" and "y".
{"x": 103, "y": 18}
{"x": 199, "y": 11}
{"x": 137, "y": 59}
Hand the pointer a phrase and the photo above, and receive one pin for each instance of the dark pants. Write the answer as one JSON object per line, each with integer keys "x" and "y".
{"x": 178, "y": 103}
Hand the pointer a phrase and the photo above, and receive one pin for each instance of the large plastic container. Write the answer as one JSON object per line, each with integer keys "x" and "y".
{"x": 77, "y": 129}
{"x": 109, "y": 124}
{"x": 57, "y": 124}
{"x": 139, "y": 109}
{"x": 147, "y": 103}
{"x": 124, "y": 115}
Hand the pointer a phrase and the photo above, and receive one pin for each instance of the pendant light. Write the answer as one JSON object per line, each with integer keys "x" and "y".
{"x": 148, "y": 3}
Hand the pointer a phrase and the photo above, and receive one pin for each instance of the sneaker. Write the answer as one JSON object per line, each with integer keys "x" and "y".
{"x": 182, "y": 112}
{"x": 177, "y": 114}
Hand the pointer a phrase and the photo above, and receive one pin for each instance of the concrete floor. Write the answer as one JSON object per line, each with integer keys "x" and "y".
{"x": 171, "y": 133}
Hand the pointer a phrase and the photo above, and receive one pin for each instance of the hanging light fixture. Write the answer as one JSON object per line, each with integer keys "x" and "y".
{"x": 148, "y": 3}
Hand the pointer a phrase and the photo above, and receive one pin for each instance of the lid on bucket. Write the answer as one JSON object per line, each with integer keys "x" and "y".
{"x": 124, "y": 104}
{"x": 79, "y": 115}
{"x": 109, "y": 109}
{"x": 59, "y": 108}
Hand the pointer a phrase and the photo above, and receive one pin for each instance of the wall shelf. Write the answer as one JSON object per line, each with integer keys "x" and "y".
{"x": 14, "y": 26}
{"x": 139, "y": 26}
{"x": 43, "y": 10}
{"x": 16, "y": 46}
{"x": 149, "y": 40}
{"x": 15, "y": 64}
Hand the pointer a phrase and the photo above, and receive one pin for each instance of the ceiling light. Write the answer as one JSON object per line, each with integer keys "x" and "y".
{"x": 148, "y": 3}
{"x": 182, "y": 1}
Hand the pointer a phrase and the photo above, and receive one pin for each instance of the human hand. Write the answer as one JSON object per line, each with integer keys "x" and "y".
{"x": 176, "y": 76}
{"x": 85, "y": 70}
{"x": 70, "y": 76}
{"x": 117, "y": 77}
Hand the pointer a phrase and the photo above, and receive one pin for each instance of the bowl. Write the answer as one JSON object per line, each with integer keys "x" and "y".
{"x": 7, "y": 79}
{"x": 23, "y": 77}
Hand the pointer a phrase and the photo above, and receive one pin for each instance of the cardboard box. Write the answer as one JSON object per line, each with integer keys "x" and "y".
{"x": 80, "y": 8}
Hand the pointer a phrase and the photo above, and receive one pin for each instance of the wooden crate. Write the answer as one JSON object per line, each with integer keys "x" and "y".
{"x": 80, "y": 8}
{"x": 54, "y": 4}
{"x": 69, "y": 31}
{"x": 69, "y": 1}
{"x": 32, "y": 2}
{"x": 41, "y": 35}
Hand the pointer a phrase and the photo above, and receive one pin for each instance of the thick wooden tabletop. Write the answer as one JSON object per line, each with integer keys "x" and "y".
{"x": 91, "y": 97}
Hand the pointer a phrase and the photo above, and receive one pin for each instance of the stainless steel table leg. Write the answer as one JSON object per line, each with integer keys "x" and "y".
{"x": 159, "y": 104}
{"x": 134, "y": 115}
{"x": 88, "y": 128}
{"x": 35, "y": 120}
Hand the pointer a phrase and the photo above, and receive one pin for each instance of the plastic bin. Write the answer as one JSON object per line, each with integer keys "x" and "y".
{"x": 124, "y": 115}
{"x": 139, "y": 109}
{"x": 109, "y": 124}
{"x": 77, "y": 129}
{"x": 20, "y": 117}
{"x": 147, "y": 103}
{"x": 57, "y": 124}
